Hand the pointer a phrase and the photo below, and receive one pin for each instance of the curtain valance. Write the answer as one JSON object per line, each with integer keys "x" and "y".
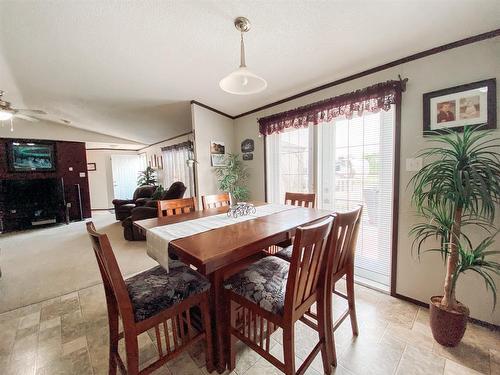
{"x": 179, "y": 146}
{"x": 371, "y": 99}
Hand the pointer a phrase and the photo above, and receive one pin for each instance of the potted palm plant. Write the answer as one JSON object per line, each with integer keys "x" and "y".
{"x": 147, "y": 177}
{"x": 458, "y": 187}
{"x": 232, "y": 178}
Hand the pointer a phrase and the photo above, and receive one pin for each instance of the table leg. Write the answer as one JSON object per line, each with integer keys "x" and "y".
{"x": 217, "y": 304}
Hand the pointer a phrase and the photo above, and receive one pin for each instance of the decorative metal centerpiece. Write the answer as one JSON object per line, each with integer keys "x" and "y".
{"x": 241, "y": 209}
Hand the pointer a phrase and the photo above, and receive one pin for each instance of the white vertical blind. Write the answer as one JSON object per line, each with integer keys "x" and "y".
{"x": 352, "y": 163}
{"x": 175, "y": 168}
{"x": 355, "y": 165}
{"x": 289, "y": 163}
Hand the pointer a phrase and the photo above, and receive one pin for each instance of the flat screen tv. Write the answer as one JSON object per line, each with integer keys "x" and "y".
{"x": 31, "y": 157}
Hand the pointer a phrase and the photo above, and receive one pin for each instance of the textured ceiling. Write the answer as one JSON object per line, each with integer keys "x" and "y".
{"x": 129, "y": 68}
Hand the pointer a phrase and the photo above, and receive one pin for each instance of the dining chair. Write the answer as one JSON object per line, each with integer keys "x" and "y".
{"x": 294, "y": 199}
{"x": 155, "y": 299}
{"x": 273, "y": 293}
{"x": 340, "y": 263}
{"x": 215, "y": 200}
{"x": 300, "y": 199}
{"x": 176, "y": 206}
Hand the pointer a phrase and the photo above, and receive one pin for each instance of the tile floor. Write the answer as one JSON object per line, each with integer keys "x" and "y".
{"x": 68, "y": 335}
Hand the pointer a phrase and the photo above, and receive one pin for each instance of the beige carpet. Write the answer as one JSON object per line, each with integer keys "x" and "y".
{"x": 44, "y": 263}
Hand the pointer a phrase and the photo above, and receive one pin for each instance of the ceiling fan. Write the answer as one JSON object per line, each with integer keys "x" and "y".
{"x": 7, "y": 112}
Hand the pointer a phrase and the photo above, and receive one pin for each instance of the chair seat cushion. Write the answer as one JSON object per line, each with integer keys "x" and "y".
{"x": 156, "y": 289}
{"x": 263, "y": 282}
{"x": 285, "y": 254}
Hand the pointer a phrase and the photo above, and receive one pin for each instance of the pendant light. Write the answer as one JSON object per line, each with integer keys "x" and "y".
{"x": 242, "y": 81}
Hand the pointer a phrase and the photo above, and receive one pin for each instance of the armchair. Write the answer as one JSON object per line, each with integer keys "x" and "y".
{"x": 123, "y": 207}
{"x": 149, "y": 210}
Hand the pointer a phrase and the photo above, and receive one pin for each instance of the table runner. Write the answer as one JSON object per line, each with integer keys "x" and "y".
{"x": 158, "y": 238}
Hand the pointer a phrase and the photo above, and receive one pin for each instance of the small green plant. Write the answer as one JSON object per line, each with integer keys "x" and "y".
{"x": 459, "y": 186}
{"x": 158, "y": 193}
{"x": 232, "y": 178}
{"x": 147, "y": 177}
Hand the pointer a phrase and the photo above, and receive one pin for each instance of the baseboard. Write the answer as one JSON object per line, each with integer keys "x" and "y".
{"x": 482, "y": 323}
{"x": 101, "y": 209}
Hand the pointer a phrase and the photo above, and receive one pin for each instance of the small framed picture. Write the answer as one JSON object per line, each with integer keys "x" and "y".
{"x": 248, "y": 156}
{"x": 91, "y": 167}
{"x": 217, "y": 147}
{"x": 473, "y": 104}
{"x": 218, "y": 160}
{"x": 248, "y": 145}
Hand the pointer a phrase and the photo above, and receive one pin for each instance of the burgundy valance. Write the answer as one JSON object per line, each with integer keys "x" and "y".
{"x": 179, "y": 146}
{"x": 371, "y": 99}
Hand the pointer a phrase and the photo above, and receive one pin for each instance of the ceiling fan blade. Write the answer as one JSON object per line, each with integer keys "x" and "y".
{"x": 26, "y": 117}
{"x": 31, "y": 111}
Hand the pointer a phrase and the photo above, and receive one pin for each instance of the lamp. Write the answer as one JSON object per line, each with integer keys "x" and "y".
{"x": 5, "y": 115}
{"x": 242, "y": 81}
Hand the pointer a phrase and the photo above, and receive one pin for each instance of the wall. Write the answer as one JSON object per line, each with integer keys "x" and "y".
{"x": 208, "y": 126}
{"x": 474, "y": 62}
{"x": 68, "y": 155}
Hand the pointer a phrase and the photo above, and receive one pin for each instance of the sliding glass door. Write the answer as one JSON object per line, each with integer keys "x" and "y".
{"x": 355, "y": 167}
{"x": 347, "y": 162}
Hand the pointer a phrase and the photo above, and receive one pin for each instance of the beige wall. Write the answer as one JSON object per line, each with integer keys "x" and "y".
{"x": 209, "y": 126}
{"x": 470, "y": 63}
{"x": 101, "y": 180}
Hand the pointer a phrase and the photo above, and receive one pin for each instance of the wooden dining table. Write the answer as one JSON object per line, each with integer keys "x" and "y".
{"x": 221, "y": 252}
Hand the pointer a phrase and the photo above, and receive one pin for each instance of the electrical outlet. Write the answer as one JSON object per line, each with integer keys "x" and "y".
{"x": 68, "y": 204}
{"x": 82, "y": 174}
{"x": 70, "y": 169}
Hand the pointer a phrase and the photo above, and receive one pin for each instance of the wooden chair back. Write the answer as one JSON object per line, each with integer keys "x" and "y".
{"x": 176, "y": 206}
{"x": 114, "y": 286}
{"x": 307, "y": 266}
{"x": 215, "y": 200}
{"x": 342, "y": 242}
{"x": 300, "y": 199}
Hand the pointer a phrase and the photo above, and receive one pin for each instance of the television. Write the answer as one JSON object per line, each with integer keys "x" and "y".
{"x": 31, "y": 157}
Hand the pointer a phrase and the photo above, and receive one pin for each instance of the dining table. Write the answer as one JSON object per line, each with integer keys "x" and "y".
{"x": 221, "y": 252}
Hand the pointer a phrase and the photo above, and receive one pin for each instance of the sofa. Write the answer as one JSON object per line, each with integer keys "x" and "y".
{"x": 149, "y": 210}
{"x": 124, "y": 207}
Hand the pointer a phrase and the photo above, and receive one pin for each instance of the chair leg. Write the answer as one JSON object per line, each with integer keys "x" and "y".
{"x": 113, "y": 341}
{"x": 209, "y": 355}
{"x": 132, "y": 350}
{"x": 289, "y": 349}
{"x": 231, "y": 340}
{"x": 322, "y": 331}
{"x": 329, "y": 336}
{"x": 351, "y": 302}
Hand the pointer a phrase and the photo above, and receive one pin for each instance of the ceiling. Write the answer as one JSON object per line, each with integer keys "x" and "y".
{"x": 129, "y": 69}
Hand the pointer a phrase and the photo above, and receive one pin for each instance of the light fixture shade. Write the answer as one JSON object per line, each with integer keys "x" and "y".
{"x": 5, "y": 115}
{"x": 242, "y": 82}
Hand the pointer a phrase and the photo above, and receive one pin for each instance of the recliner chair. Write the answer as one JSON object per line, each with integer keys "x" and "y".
{"x": 124, "y": 207}
{"x": 148, "y": 211}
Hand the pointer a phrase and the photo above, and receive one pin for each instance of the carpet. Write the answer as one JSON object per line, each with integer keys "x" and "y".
{"x": 45, "y": 263}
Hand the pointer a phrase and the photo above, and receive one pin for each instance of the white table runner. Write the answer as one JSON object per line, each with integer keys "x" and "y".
{"x": 158, "y": 238}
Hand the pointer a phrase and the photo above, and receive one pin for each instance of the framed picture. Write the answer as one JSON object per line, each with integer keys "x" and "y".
{"x": 248, "y": 156}
{"x": 218, "y": 160}
{"x": 473, "y": 104}
{"x": 247, "y": 145}
{"x": 91, "y": 167}
{"x": 217, "y": 148}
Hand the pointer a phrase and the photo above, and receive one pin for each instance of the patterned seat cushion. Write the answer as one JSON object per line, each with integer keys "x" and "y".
{"x": 285, "y": 254}
{"x": 263, "y": 282}
{"x": 155, "y": 290}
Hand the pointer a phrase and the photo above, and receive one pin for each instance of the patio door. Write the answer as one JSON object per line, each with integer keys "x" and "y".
{"x": 355, "y": 166}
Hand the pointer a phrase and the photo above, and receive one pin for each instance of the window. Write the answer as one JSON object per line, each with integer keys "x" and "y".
{"x": 350, "y": 161}
{"x": 289, "y": 163}
{"x": 176, "y": 167}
